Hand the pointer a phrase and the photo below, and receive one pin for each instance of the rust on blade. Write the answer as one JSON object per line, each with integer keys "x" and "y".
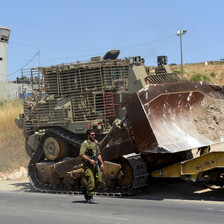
{"x": 172, "y": 117}
{"x": 117, "y": 150}
{"x": 144, "y": 136}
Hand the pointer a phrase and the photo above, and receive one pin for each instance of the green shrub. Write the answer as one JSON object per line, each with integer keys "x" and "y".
{"x": 177, "y": 72}
{"x": 195, "y": 78}
{"x": 212, "y": 74}
{"x": 206, "y": 78}
{"x": 199, "y": 77}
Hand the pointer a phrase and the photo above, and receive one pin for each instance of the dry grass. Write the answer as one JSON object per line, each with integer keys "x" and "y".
{"x": 213, "y": 72}
{"x": 12, "y": 151}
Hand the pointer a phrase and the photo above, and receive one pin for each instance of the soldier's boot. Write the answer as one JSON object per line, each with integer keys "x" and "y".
{"x": 91, "y": 201}
{"x": 85, "y": 194}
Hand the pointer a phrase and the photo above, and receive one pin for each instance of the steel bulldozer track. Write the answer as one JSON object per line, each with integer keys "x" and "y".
{"x": 139, "y": 168}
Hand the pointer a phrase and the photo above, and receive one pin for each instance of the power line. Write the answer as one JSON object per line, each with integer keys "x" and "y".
{"x": 25, "y": 64}
{"x": 122, "y": 48}
{"x": 53, "y": 48}
{"x": 22, "y": 44}
{"x": 208, "y": 38}
{"x": 99, "y": 49}
{"x": 148, "y": 42}
{"x": 90, "y": 55}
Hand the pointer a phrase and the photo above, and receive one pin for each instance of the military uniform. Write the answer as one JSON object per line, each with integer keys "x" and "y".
{"x": 204, "y": 150}
{"x": 93, "y": 174}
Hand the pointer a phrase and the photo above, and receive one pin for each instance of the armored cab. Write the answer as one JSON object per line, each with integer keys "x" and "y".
{"x": 78, "y": 96}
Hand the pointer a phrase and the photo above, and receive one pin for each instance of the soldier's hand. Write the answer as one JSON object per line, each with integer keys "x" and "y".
{"x": 93, "y": 162}
{"x": 101, "y": 167}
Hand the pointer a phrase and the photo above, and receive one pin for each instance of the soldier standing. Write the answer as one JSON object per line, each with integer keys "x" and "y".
{"x": 90, "y": 154}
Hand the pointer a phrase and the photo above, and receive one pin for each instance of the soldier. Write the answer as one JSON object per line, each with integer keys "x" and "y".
{"x": 90, "y": 154}
{"x": 204, "y": 150}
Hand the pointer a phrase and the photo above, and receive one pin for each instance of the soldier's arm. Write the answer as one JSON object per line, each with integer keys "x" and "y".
{"x": 101, "y": 162}
{"x": 91, "y": 161}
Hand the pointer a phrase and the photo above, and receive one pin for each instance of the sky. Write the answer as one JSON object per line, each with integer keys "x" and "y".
{"x": 50, "y": 32}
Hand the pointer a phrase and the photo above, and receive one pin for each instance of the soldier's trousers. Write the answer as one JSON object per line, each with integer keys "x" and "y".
{"x": 93, "y": 179}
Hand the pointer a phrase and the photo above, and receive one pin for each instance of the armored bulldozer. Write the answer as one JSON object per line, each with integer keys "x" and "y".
{"x": 144, "y": 122}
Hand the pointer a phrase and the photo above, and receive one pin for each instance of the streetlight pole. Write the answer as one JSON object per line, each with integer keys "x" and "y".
{"x": 180, "y": 33}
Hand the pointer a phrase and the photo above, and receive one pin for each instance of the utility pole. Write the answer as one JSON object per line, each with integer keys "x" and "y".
{"x": 40, "y": 84}
{"x": 180, "y": 33}
{"x": 39, "y": 56}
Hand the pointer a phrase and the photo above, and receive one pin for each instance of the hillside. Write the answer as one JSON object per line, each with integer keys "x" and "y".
{"x": 213, "y": 72}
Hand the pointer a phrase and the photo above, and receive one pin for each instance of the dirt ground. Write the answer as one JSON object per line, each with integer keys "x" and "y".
{"x": 22, "y": 184}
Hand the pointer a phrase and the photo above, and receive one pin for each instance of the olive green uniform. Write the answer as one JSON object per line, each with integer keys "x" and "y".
{"x": 204, "y": 150}
{"x": 92, "y": 176}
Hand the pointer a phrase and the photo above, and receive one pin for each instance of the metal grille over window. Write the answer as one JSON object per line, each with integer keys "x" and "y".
{"x": 109, "y": 104}
{"x": 61, "y": 94}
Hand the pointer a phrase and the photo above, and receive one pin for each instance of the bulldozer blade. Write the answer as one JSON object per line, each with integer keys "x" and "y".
{"x": 175, "y": 117}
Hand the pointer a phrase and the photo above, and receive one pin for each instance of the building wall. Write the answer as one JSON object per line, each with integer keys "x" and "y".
{"x": 10, "y": 90}
{"x": 3, "y": 62}
{"x": 4, "y": 40}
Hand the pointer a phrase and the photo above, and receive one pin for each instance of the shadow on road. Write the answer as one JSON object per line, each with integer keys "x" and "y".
{"x": 79, "y": 202}
{"x": 159, "y": 190}
{"x": 23, "y": 186}
{"x": 180, "y": 190}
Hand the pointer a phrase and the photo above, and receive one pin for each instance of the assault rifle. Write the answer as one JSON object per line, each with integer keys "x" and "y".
{"x": 95, "y": 158}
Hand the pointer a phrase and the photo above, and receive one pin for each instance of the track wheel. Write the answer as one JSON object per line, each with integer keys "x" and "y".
{"x": 127, "y": 177}
{"x": 54, "y": 148}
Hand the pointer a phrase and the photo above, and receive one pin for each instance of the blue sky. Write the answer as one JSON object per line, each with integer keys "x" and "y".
{"x": 72, "y": 30}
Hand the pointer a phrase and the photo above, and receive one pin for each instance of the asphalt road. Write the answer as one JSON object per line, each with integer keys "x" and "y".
{"x": 37, "y": 208}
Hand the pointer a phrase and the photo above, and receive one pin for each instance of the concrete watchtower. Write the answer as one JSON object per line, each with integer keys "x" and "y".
{"x": 4, "y": 39}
